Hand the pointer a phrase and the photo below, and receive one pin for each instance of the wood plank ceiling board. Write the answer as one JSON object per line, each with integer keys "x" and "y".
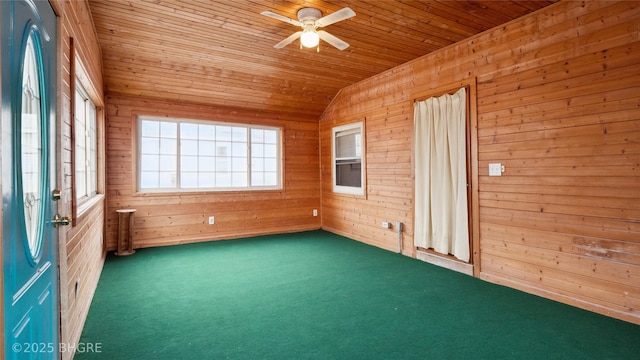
{"x": 220, "y": 52}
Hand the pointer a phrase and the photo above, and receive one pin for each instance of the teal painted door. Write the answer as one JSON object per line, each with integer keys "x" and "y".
{"x": 29, "y": 235}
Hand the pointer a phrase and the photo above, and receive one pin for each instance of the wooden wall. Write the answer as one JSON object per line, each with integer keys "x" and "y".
{"x": 175, "y": 218}
{"x": 81, "y": 246}
{"x": 557, "y": 104}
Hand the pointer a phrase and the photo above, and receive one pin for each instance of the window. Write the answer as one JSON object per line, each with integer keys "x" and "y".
{"x": 348, "y": 159}
{"x": 86, "y": 149}
{"x": 183, "y": 155}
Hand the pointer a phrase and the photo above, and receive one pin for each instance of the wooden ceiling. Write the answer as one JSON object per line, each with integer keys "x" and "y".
{"x": 221, "y": 52}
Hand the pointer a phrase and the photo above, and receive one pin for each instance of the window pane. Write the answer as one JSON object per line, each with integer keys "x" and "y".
{"x": 239, "y": 149}
{"x": 150, "y": 128}
{"x": 257, "y": 150}
{"x": 223, "y": 179}
{"x": 239, "y": 164}
{"x": 86, "y": 147}
{"x": 169, "y": 130}
{"x": 93, "y": 151}
{"x": 150, "y": 145}
{"x": 80, "y": 158}
{"x": 80, "y": 149}
{"x": 349, "y": 174}
{"x": 189, "y": 179}
{"x": 223, "y": 165}
{"x": 257, "y": 135}
{"x": 207, "y": 132}
{"x": 270, "y": 178}
{"x": 270, "y": 137}
{"x": 206, "y": 163}
{"x": 206, "y": 148}
{"x": 349, "y": 145}
{"x": 188, "y": 163}
{"x": 150, "y": 162}
{"x": 81, "y": 183}
{"x": 206, "y": 179}
{"x": 188, "y": 131}
{"x": 223, "y": 133}
{"x": 257, "y": 179}
{"x": 239, "y": 134}
{"x": 168, "y": 146}
{"x": 270, "y": 165}
{"x": 223, "y": 149}
{"x": 149, "y": 180}
{"x": 189, "y": 147}
{"x": 239, "y": 179}
{"x": 168, "y": 163}
{"x": 257, "y": 164}
{"x": 93, "y": 182}
{"x": 270, "y": 151}
{"x": 167, "y": 179}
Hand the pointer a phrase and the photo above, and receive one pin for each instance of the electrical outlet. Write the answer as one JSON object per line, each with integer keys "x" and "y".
{"x": 386, "y": 225}
{"x": 315, "y": 212}
{"x": 212, "y": 220}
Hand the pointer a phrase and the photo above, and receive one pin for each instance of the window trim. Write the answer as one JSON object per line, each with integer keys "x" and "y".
{"x": 81, "y": 79}
{"x": 178, "y": 190}
{"x": 341, "y": 189}
{"x": 90, "y": 194}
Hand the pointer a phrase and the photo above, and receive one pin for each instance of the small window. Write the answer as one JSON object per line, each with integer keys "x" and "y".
{"x": 348, "y": 159}
{"x": 189, "y": 155}
{"x": 86, "y": 148}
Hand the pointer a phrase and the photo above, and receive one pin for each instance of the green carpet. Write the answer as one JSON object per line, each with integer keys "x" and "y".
{"x": 316, "y": 295}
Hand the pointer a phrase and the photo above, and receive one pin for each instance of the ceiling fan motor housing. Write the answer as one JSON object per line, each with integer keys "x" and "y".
{"x": 309, "y": 15}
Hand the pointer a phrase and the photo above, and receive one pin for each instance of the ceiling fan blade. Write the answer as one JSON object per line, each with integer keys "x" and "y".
{"x": 281, "y": 18}
{"x": 339, "y": 15}
{"x": 288, "y": 40}
{"x": 341, "y": 45}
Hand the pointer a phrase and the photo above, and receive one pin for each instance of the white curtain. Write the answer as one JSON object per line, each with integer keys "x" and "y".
{"x": 441, "y": 219}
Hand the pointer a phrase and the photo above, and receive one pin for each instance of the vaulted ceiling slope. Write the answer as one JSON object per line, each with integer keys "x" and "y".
{"x": 221, "y": 52}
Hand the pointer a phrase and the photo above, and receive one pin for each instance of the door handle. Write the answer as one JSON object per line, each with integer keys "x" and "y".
{"x": 61, "y": 220}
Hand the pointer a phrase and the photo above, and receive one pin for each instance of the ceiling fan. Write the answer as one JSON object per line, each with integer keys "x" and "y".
{"x": 309, "y": 19}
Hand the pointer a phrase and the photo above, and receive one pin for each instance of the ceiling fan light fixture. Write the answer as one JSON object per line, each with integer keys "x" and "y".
{"x": 309, "y": 38}
{"x": 309, "y": 19}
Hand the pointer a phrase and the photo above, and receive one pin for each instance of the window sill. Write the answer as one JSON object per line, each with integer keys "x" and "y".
{"x": 206, "y": 192}
{"x": 88, "y": 205}
{"x": 344, "y": 190}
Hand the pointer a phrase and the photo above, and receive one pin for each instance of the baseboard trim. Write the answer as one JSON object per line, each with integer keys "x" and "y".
{"x": 563, "y": 298}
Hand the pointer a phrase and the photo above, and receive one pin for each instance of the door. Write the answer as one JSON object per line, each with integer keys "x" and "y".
{"x": 29, "y": 234}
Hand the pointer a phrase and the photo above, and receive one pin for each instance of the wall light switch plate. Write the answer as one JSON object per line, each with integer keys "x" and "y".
{"x": 495, "y": 169}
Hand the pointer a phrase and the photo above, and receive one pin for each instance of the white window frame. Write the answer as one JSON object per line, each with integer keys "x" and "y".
{"x": 179, "y": 187}
{"x": 86, "y": 117}
{"x": 337, "y": 131}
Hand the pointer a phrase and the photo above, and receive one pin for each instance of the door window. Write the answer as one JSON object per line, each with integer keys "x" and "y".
{"x": 31, "y": 147}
